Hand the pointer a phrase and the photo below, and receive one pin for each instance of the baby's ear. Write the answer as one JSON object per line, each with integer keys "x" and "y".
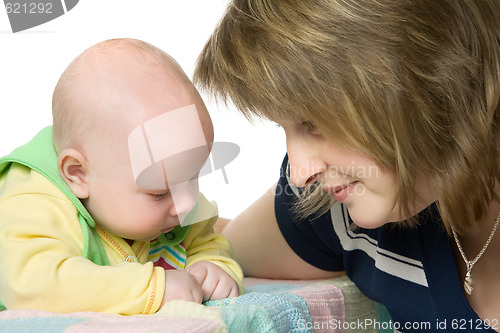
{"x": 72, "y": 167}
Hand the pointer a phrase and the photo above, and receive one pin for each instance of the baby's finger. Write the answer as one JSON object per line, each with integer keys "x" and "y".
{"x": 209, "y": 287}
{"x": 224, "y": 289}
{"x": 197, "y": 295}
{"x": 199, "y": 273}
{"x": 234, "y": 292}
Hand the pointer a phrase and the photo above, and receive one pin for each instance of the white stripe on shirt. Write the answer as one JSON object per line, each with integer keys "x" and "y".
{"x": 389, "y": 262}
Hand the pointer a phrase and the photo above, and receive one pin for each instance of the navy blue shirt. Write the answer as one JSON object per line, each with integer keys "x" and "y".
{"x": 411, "y": 271}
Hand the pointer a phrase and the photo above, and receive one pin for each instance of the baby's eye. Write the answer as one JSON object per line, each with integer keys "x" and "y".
{"x": 158, "y": 197}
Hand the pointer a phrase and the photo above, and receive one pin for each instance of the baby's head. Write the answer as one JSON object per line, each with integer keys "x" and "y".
{"x": 132, "y": 133}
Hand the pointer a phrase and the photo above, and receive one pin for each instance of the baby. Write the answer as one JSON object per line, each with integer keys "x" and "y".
{"x": 101, "y": 212}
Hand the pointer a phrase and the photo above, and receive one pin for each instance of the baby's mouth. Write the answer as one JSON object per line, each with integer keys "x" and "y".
{"x": 164, "y": 231}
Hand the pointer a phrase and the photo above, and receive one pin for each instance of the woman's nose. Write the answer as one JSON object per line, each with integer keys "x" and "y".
{"x": 306, "y": 166}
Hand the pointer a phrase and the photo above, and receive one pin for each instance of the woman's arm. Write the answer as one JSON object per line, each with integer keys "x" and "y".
{"x": 260, "y": 248}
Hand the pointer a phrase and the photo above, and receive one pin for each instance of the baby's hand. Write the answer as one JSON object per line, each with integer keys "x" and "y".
{"x": 215, "y": 283}
{"x": 181, "y": 285}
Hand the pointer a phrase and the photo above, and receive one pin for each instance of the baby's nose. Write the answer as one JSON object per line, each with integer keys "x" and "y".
{"x": 184, "y": 198}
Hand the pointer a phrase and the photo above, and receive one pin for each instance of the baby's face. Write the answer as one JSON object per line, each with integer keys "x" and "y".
{"x": 149, "y": 183}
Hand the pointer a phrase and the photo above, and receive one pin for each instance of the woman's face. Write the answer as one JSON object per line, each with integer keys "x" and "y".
{"x": 368, "y": 190}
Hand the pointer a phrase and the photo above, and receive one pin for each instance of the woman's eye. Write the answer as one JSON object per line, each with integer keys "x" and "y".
{"x": 307, "y": 125}
{"x": 309, "y": 128}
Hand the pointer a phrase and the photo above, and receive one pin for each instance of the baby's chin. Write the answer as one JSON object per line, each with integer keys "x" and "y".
{"x": 143, "y": 238}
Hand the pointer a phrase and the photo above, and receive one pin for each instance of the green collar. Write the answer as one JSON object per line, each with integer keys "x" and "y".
{"x": 40, "y": 155}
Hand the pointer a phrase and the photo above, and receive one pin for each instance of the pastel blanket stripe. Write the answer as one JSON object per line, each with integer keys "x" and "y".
{"x": 268, "y": 306}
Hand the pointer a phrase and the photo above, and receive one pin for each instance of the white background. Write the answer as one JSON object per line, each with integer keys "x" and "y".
{"x": 32, "y": 61}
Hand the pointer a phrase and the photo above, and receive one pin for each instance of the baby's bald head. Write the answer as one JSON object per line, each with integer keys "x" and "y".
{"x": 101, "y": 96}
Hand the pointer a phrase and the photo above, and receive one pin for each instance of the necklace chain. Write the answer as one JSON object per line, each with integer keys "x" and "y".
{"x": 470, "y": 263}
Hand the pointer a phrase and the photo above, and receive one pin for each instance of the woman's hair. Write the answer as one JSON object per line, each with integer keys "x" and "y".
{"x": 414, "y": 84}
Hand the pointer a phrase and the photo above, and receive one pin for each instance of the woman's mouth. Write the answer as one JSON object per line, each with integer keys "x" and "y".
{"x": 340, "y": 192}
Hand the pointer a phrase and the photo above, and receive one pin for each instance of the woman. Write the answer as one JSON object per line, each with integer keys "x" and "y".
{"x": 391, "y": 110}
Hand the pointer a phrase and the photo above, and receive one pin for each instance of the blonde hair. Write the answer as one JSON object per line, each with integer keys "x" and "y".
{"x": 414, "y": 84}
{"x": 84, "y": 95}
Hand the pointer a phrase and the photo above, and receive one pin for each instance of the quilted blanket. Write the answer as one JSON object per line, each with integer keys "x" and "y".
{"x": 334, "y": 305}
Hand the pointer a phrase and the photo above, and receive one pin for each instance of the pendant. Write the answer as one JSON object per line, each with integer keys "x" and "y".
{"x": 468, "y": 283}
